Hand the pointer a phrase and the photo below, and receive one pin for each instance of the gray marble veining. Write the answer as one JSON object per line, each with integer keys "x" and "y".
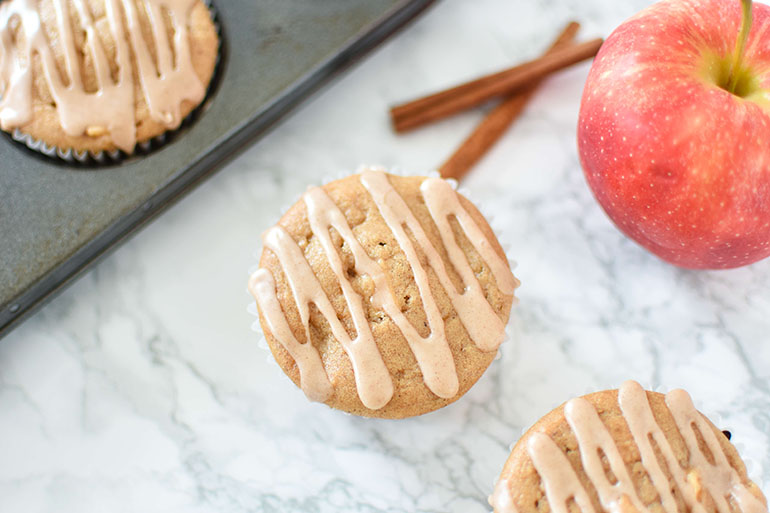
{"x": 142, "y": 388}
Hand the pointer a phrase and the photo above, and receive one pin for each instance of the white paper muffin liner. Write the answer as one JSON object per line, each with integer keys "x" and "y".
{"x": 499, "y": 233}
{"x": 74, "y": 157}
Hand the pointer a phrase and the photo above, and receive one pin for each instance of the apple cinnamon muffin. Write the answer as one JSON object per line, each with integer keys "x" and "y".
{"x": 102, "y": 75}
{"x": 626, "y": 451}
{"x": 382, "y": 295}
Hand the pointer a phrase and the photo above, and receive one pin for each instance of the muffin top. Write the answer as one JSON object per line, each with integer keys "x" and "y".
{"x": 382, "y": 295}
{"x": 626, "y": 451}
{"x": 100, "y": 75}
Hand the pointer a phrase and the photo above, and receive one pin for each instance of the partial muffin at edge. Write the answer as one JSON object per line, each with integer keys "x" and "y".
{"x": 521, "y": 487}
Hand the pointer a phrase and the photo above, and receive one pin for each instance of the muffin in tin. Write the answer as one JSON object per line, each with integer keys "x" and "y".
{"x": 102, "y": 75}
{"x": 626, "y": 451}
{"x": 383, "y": 295}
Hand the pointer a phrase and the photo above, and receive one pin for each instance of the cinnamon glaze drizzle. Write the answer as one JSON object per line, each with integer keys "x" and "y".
{"x": 718, "y": 478}
{"x": 165, "y": 81}
{"x": 433, "y": 355}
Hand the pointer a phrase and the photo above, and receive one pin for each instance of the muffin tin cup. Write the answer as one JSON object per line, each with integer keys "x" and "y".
{"x": 251, "y": 308}
{"x": 73, "y": 157}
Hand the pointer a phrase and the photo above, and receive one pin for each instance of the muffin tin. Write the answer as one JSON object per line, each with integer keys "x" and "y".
{"x": 56, "y": 219}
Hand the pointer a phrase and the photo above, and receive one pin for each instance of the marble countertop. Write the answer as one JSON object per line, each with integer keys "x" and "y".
{"x": 142, "y": 386}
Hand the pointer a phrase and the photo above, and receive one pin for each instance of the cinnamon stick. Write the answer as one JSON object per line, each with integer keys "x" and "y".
{"x": 494, "y": 125}
{"x": 456, "y": 99}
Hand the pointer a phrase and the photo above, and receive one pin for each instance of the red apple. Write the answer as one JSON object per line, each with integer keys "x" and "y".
{"x": 674, "y": 131}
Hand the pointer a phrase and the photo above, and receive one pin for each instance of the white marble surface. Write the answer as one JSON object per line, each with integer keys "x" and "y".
{"x": 141, "y": 388}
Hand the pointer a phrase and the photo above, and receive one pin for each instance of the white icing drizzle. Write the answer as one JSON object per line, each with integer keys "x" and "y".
{"x": 476, "y": 314}
{"x": 442, "y": 203}
{"x": 166, "y": 86}
{"x": 372, "y": 378}
{"x": 313, "y": 379}
{"x": 559, "y": 478}
{"x": 641, "y": 421}
{"x": 561, "y": 482}
{"x": 501, "y": 499}
{"x": 593, "y": 436}
{"x": 112, "y": 107}
{"x": 431, "y": 352}
{"x": 433, "y": 355}
{"x": 482, "y": 322}
{"x": 720, "y": 479}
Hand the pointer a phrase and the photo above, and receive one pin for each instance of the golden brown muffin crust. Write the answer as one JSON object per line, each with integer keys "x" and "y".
{"x": 411, "y": 396}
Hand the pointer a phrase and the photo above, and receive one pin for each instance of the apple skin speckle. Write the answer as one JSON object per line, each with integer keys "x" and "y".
{"x": 679, "y": 164}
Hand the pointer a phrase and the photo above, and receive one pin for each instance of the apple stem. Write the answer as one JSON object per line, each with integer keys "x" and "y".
{"x": 740, "y": 46}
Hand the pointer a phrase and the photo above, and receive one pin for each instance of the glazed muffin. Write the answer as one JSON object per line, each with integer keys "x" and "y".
{"x": 626, "y": 451}
{"x": 383, "y": 296}
{"x": 102, "y": 75}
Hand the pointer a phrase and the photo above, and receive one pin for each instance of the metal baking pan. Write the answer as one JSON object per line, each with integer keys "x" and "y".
{"x": 56, "y": 220}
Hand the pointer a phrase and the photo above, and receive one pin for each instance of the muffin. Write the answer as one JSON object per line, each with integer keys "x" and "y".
{"x": 382, "y": 295}
{"x": 626, "y": 451}
{"x": 100, "y": 75}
